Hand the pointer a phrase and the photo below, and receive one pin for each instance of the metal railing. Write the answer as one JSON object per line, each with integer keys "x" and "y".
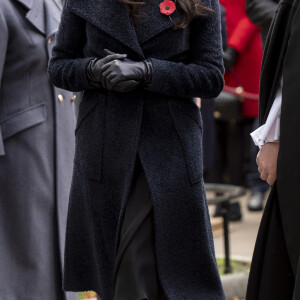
{"x": 223, "y": 194}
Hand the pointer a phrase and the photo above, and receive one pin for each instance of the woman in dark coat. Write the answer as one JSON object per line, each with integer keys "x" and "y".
{"x": 138, "y": 224}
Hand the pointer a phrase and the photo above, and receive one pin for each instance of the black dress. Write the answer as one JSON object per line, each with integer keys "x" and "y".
{"x": 136, "y": 276}
{"x": 135, "y": 267}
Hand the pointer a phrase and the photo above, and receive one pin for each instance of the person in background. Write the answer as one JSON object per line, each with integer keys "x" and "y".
{"x": 242, "y": 59}
{"x": 261, "y": 13}
{"x": 275, "y": 268}
{"x": 207, "y": 111}
{"x": 37, "y": 123}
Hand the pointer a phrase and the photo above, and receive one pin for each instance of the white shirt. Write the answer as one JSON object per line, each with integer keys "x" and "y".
{"x": 270, "y": 131}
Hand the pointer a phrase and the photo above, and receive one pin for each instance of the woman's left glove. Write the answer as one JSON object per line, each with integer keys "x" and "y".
{"x": 230, "y": 57}
{"x": 119, "y": 74}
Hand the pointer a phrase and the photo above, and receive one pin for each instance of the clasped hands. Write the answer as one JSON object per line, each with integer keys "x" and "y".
{"x": 116, "y": 72}
{"x": 267, "y": 162}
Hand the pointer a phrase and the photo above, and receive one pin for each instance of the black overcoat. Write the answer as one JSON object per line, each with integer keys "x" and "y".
{"x": 261, "y": 13}
{"x": 161, "y": 124}
{"x": 282, "y": 59}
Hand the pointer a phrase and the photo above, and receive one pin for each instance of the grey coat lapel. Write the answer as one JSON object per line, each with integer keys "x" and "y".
{"x": 52, "y": 12}
{"x": 35, "y": 14}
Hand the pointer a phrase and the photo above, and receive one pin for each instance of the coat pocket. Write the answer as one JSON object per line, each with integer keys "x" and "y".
{"x": 22, "y": 120}
{"x": 188, "y": 123}
{"x": 89, "y": 136}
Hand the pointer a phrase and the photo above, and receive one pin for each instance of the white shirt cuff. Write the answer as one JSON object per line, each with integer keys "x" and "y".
{"x": 270, "y": 131}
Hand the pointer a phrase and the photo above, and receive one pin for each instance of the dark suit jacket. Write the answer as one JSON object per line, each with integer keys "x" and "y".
{"x": 282, "y": 59}
{"x": 261, "y": 13}
{"x": 161, "y": 124}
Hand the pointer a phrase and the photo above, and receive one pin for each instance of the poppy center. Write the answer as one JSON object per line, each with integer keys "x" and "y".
{"x": 167, "y": 7}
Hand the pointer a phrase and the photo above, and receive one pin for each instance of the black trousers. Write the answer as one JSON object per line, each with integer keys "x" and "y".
{"x": 135, "y": 267}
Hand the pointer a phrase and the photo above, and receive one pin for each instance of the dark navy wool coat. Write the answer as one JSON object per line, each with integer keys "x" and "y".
{"x": 161, "y": 124}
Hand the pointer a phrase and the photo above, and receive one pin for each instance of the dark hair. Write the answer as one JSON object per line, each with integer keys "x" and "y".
{"x": 191, "y": 8}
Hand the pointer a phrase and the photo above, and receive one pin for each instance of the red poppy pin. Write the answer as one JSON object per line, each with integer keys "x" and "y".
{"x": 167, "y": 7}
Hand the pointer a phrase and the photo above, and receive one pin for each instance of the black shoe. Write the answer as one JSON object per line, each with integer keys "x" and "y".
{"x": 234, "y": 213}
{"x": 255, "y": 202}
{"x": 218, "y": 211}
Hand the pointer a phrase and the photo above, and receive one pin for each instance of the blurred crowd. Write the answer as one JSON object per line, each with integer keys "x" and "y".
{"x": 229, "y": 153}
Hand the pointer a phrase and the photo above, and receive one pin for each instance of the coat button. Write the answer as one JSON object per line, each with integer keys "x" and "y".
{"x": 60, "y": 98}
{"x": 73, "y": 98}
{"x": 49, "y": 41}
{"x": 217, "y": 114}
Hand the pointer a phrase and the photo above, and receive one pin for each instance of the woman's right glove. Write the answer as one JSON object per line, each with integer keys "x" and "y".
{"x": 94, "y": 68}
{"x": 122, "y": 71}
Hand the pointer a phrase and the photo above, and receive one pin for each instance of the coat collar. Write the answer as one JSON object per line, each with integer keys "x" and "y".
{"x": 35, "y": 13}
{"x": 52, "y": 11}
{"x": 43, "y": 14}
{"x": 112, "y": 17}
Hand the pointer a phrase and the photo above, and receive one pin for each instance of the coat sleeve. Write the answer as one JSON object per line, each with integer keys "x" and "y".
{"x": 261, "y": 12}
{"x": 67, "y": 66}
{"x": 203, "y": 76}
{"x": 291, "y": 75}
{"x": 288, "y": 158}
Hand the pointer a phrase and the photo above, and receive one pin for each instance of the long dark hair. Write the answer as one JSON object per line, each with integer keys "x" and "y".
{"x": 191, "y": 8}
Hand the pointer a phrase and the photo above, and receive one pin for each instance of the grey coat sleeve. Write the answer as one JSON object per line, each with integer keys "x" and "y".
{"x": 203, "y": 76}
{"x": 261, "y": 12}
{"x": 67, "y": 61}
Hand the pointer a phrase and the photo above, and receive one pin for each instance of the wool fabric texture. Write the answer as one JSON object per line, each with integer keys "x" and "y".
{"x": 161, "y": 124}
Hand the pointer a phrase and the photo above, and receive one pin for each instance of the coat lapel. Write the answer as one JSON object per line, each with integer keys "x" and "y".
{"x": 35, "y": 14}
{"x": 52, "y": 12}
{"x": 274, "y": 52}
{"x": 112, "y": 17}
{"x": 152, "y": 22}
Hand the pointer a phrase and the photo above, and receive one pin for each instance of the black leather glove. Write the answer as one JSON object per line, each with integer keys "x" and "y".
{"x": 126, "y": 86}
{"x": 94, "y": 68}
{"x": 125, "y": 75}
{"x": 230, "y": 57}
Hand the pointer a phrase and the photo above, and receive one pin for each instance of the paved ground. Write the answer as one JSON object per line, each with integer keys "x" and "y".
{"x": 242, "y": 234}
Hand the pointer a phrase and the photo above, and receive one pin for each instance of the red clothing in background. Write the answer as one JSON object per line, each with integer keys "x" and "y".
{"x": 245, "y": 38}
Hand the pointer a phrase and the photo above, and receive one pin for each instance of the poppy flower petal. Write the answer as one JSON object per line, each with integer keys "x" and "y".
{"x": 167, "y": 7}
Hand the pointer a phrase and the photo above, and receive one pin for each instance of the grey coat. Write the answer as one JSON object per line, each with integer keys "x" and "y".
{"x": 161, "y": 124}
{"x": 36, "y": 153}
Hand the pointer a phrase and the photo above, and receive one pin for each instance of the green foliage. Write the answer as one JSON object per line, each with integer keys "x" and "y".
{"x": 237, "y": 266}
{"x": 86, "y": 295}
